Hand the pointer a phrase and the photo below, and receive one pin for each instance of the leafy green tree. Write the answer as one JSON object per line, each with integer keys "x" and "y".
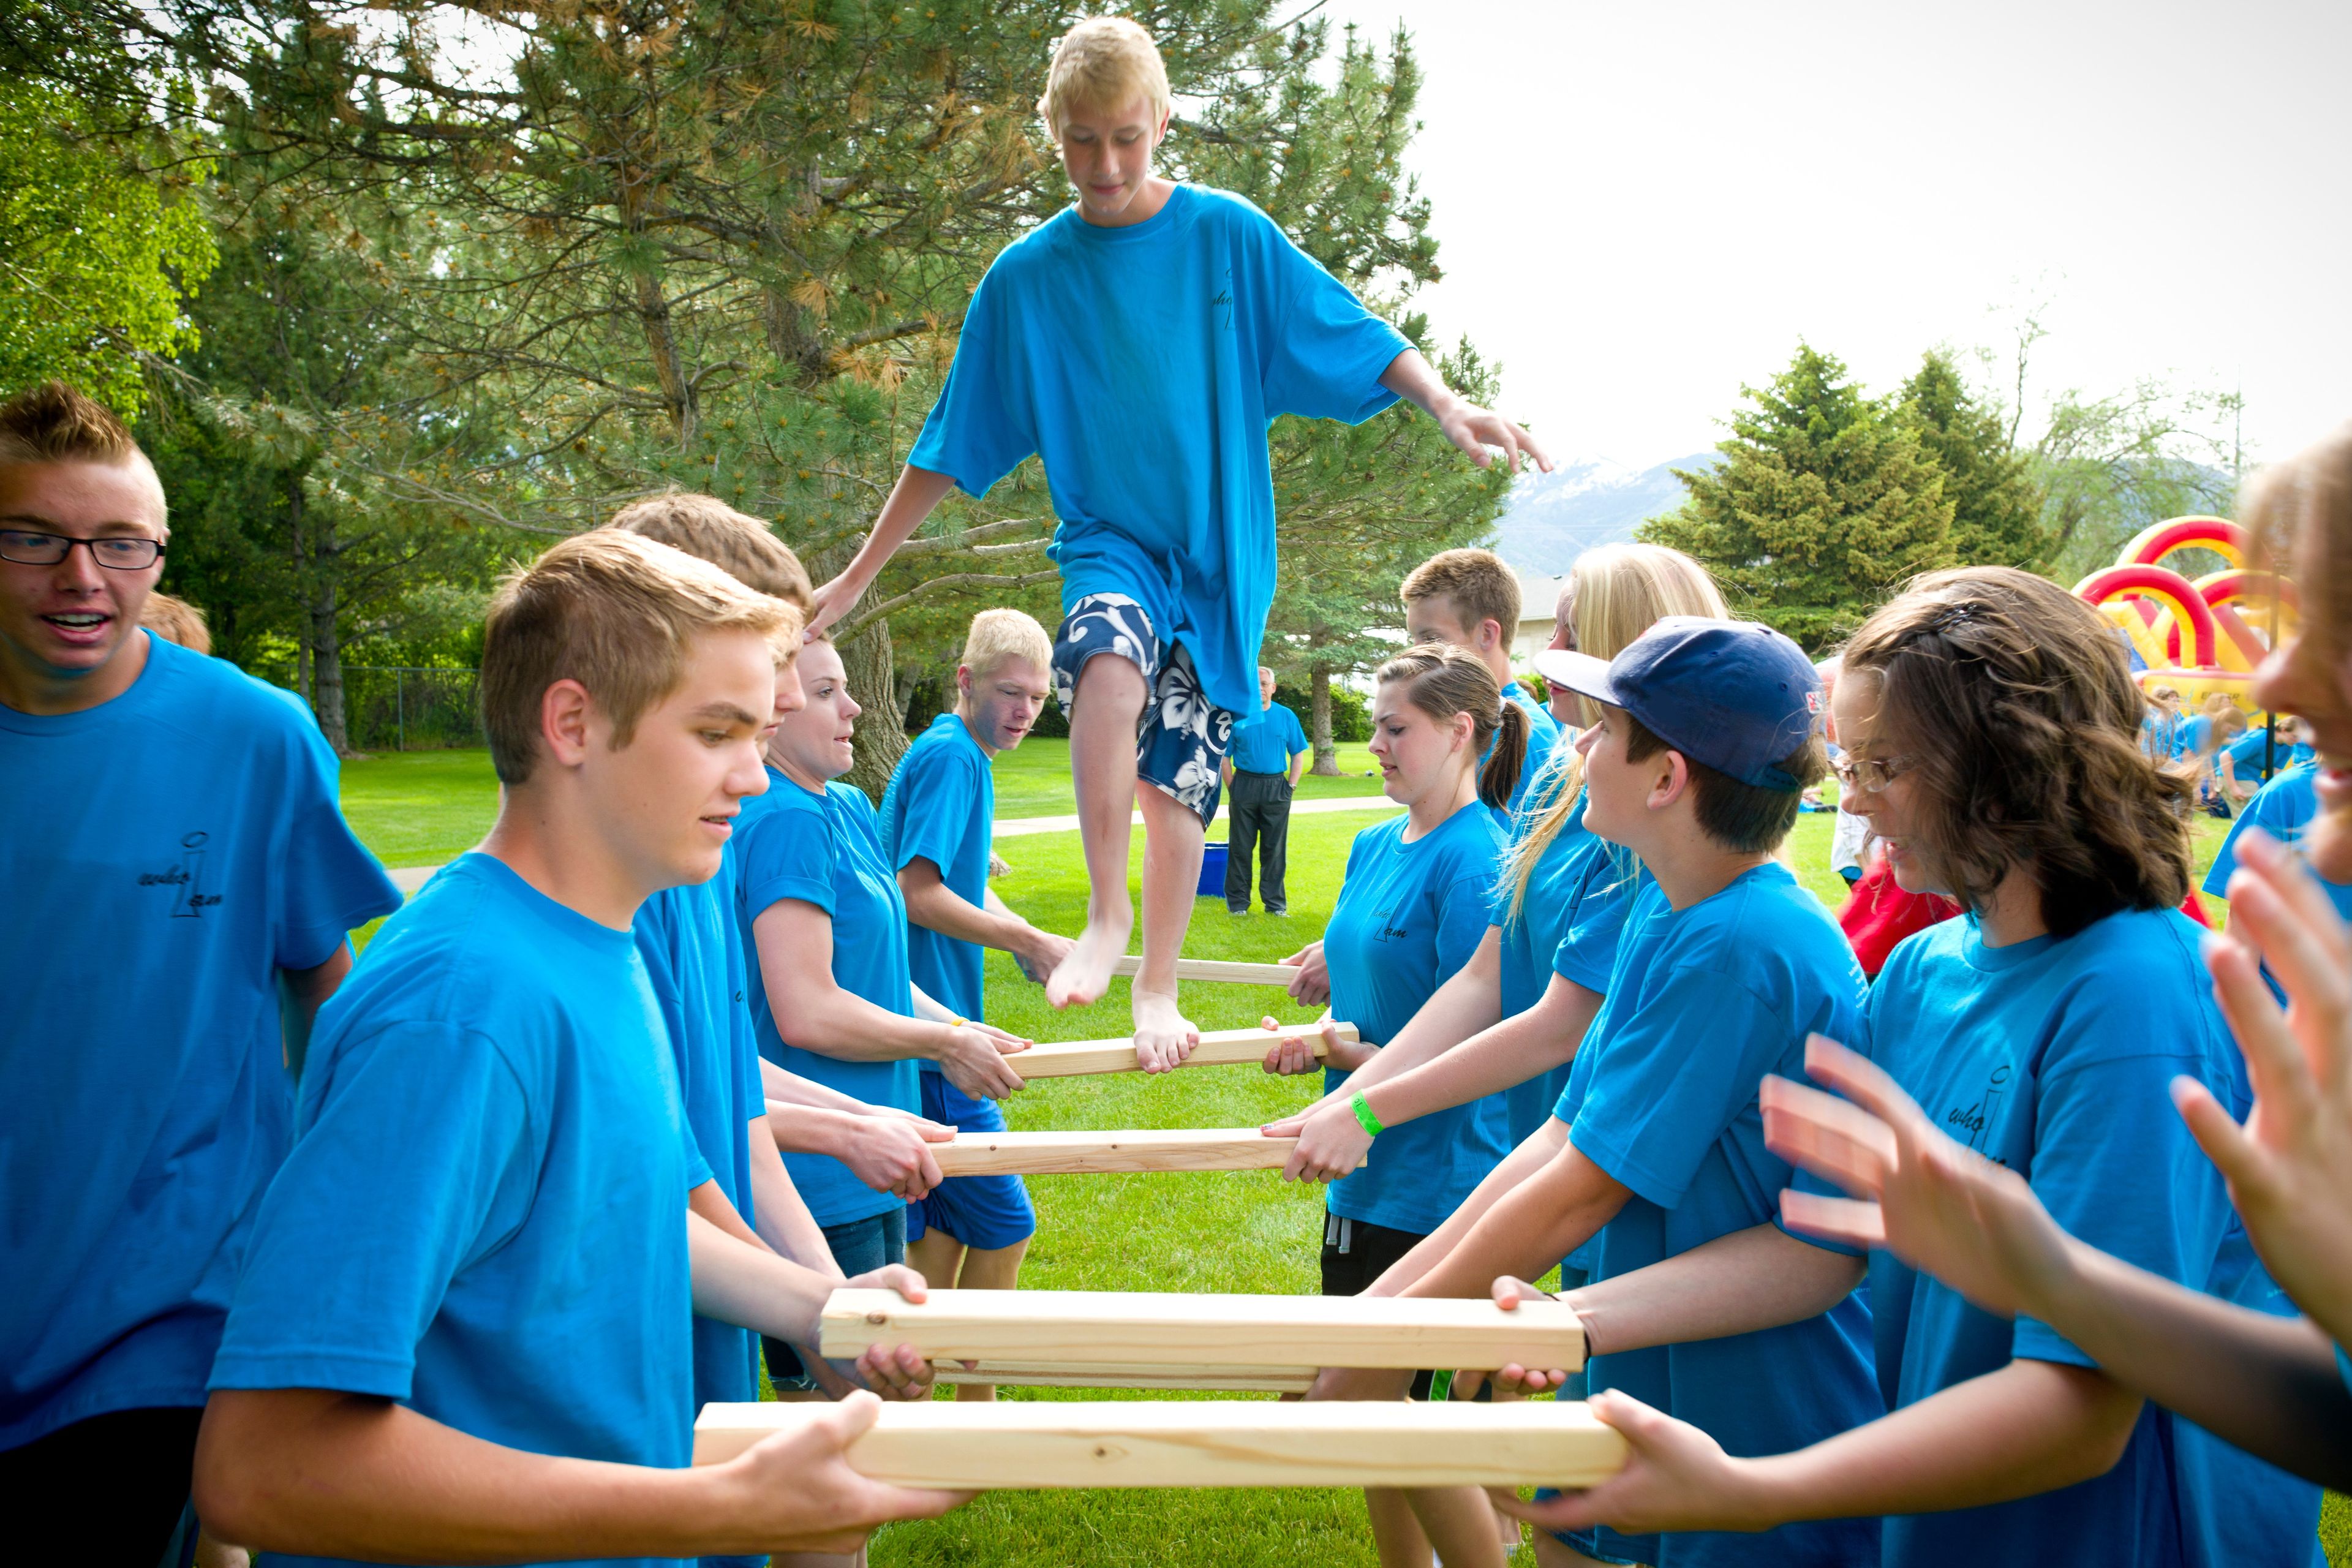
{"x": 95, "y": 253}
{"x": 1997, "y": 506}
{"x": 1825, "y": 500}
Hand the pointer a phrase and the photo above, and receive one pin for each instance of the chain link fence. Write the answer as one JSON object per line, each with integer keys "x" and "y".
{"x": 403, "y": 707}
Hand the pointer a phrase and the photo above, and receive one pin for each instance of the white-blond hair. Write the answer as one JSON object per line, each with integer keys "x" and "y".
{"x": 1104, "y": 62}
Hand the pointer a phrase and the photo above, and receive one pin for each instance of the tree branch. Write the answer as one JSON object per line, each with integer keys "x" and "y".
{"x": 938, "y": 584}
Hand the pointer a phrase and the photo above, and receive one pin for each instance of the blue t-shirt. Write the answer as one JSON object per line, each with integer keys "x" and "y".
{"x": 2282, "y": 808}
{"x": 1702, "y": 1002}
{"x": 1144, "y": 364}
{"x": 170, "y": 852}
{"x": 1408, "y": 916}
{"x": 2189, "y": 737}
{"x": 1567, "y": 924}
{"x": 1543, "y": 735}
{"x": 2024, "y": 1054}
{"x": 484, "y": 1212}
{"x": 2245, "y": 755}
{"x": 824, "y": 849}
{"x": 693, "y": 956}
{"x": 942, "y": 807}
{"x": 1266, "y": 744}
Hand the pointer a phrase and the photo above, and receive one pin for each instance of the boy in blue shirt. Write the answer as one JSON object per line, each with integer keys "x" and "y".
{"x": 180, "y": 883}
{"x": 462, "y": 1328}
{"x": 1471, "y": 599}
{"x": 1262, "y": 771}
{"x": 937, "y": 817}
{"x": 1708, "y": 734}
{"x": 1140, "y": 342}
{"x": 2282, "y": 808}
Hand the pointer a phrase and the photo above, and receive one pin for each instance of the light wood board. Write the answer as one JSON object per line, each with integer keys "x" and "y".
{"x": 1219, "y": 969}
{"x": 1218, "y": 1047}
{"x": 1201, "y": 1443}
{"x": 1050, "y": 1374}
{"x": 1070, "y": 1153}
{"x": 1111, "y": 1328}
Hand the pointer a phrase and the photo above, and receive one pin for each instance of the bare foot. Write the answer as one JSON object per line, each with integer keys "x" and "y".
{"x": 1164, "y": 1035}
{"x": 1084, "y": 973}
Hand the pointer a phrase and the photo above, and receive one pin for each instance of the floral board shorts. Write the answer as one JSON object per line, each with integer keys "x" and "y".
{"x": 1181, "y": 740}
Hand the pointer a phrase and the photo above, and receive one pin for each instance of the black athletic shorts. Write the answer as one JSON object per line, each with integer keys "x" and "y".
{"x": 145, "y": 1457}
{"x": 1355, "y": 1254}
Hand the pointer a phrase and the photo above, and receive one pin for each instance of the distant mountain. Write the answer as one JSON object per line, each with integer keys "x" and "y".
{"x": 1552, "y": 517}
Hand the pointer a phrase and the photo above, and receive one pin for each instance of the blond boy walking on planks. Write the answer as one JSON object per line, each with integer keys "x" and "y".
{"x": 1140, "y": 342}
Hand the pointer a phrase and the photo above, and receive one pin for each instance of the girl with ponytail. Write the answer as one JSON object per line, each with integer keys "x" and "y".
{"x": 1519, "y": 1006}
{"x": 1411, "y": 912}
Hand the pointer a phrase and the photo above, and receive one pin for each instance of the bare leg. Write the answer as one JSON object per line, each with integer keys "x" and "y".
{"x": 1104, "y": 708}
{"x": 1457, "y": 1521}
{"x": 950, "y": 1265}
{"x": 1396, "y": 1533}
{"x": 1173, "y": 838}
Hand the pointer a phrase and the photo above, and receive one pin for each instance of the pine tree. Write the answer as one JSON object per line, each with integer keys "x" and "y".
{"x": 1824, "y": 502}
{"x": 1997, "y": 508}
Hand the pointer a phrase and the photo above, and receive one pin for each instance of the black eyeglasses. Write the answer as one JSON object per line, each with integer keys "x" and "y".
{"x": 123, "y": 553}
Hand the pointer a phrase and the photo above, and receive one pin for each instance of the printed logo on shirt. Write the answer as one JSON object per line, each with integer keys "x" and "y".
{"x": 1224, "y": 302}
{"x": 1967, "y": 1122}
{"x": 1389, "y": 929}
{"x": 186, "y": 880}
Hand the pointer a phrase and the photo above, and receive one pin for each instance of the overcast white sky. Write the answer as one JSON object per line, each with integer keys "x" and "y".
{"x": 1641, "y": 205}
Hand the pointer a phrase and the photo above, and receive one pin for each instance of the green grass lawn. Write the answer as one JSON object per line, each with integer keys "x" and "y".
{"x": 1239, "y": 1231}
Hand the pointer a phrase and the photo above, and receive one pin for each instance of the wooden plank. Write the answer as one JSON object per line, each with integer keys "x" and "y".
{"x": 1218, "y": 1047}
{"x": 1111, "y": 1328}
{"x": 1201, "y": 1443}
{"x": 1068, "y": 1154}
{"x": 1052, "y": 1375}
{"x": 1219, "y": 969}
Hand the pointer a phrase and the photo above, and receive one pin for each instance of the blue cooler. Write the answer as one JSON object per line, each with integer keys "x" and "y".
{"x": 1212, "y": 870}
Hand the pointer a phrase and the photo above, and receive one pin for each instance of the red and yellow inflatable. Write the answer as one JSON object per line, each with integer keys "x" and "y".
{"x": 2192, "y": 636}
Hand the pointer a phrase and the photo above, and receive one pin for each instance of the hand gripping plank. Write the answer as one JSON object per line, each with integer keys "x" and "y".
{"x": 1218, "y": 1047}
{"x": 1211, "y": 1443}
{"x": 1111, "y": 1328}
{"x": 1067, "y": 1153}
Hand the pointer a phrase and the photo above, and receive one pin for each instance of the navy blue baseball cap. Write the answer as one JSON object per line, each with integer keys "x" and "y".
{"x": 1732, "y": 694}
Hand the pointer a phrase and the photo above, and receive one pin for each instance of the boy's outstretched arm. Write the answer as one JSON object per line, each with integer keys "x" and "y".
{"x": 321, "y": 1472}
{"x": 912, "y": 501}
{"x": 1467, "y": 426}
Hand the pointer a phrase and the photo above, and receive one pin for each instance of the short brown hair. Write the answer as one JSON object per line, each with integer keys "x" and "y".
{"x": 2012, "y": 702}
{"x": 1745, "y": 818}
{"x": 706, "y": 527}
{"x": 613, "y": 611}
{"x": 176, "y": 621}
{"x": 1475, "y": 582}
{"x": 55, "y": 423}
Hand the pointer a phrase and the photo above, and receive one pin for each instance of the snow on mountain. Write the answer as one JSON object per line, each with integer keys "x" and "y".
{"x": 1553, "y": 517}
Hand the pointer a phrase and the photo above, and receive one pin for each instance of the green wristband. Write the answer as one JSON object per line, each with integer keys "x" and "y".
{"x": 1363, "y": 1109}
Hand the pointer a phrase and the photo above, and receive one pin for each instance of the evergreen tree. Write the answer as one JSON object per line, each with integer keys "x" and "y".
{"x": 1824, "y": 502}
{"x": 1997, "y": 507}
{"x": 94, "y": 252}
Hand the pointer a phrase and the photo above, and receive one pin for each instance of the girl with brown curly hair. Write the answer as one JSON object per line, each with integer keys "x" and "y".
{"x": 1993, "y": 728}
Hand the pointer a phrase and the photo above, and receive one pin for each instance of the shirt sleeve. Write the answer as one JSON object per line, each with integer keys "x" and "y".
{"x": 328, "y": 884}
{"x": 420, "y": 1162}
{"x": 1463, "y": 917}
{"x": 937, "y": 789}
{"x": 1587, "y": 946}
{"x": 786, "y": 855}
{"x": 1673, "y": 1079}
{"x": 1297, "y": 742}
{"x": 980, "y": 429}
{"x": 1327, "y": 352}
{"x": 2115, "y": 1165}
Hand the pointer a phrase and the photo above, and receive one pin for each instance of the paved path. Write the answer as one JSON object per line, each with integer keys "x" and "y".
{"x": 408, "y": 879}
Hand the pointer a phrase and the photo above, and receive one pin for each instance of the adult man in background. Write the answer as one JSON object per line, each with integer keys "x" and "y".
{"x": 1262, "y": 773}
